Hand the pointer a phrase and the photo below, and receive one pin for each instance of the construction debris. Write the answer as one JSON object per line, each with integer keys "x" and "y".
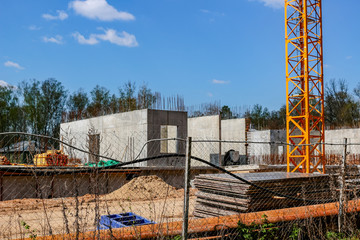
{"x": 51, "y": 158}
{"x": 4, "y": 161}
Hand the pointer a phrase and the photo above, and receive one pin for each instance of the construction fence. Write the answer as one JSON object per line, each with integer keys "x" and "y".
{"x": 105, "y": 186}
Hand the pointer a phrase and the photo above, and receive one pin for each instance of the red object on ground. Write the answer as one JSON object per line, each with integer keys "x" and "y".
{"x": 57, "y": 159}
{"x": 4, "y": 161}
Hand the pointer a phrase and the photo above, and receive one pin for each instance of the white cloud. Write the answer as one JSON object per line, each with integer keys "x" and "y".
{"x": 348, "y": 57}
{"x": 13, "y": 64}
{"x": 122, "y": 39}
{"x": 210, "y": 94}
{"x": 57, "y": 39}
{"x": 216, "y": 81}
{"x": 206, "y": 11}
{"x": 34, "y": 28}
{"x": 82, "y": 40}
{"x": 99, "y": 9}
{"x": 272, "y": 3}
{"x": 6, "y": 85}
{"x": 62, "y": 15}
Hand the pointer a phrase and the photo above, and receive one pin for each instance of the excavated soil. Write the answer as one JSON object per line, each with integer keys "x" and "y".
{"x": 145, "y": 188}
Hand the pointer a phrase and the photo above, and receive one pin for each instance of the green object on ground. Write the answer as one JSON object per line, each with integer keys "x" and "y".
{"x": 102, "y": 163}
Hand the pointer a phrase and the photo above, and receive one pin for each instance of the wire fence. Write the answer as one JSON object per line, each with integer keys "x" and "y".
{"x": 101, "y": 186}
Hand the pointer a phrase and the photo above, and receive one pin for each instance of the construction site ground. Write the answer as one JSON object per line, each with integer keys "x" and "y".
{"x": 147, "y": 196}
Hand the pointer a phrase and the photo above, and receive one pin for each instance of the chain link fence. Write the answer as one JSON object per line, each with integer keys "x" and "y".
{"x": 102, "y": 186}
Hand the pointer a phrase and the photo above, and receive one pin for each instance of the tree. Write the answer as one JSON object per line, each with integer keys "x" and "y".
{"x": 77, "y": 104}
{"x": 5, "y": 97}
{"x": 259, "y": 116}
{"x": 277, "y": 119}
{"x": 340, "y": 108}
{"x": 127, "y": 97}
{"x": 114, "y": 104}
{"x": 100, "y": 101}
{"x": 53, "y": 99}
{"x": 146, "y": 98}
{"x": 197, "y": 113}
{"x": 209, "y": 109}
{"x": 11, "y": 115}
{"x": 357, "y": 90}
{"x": 43, "y": 104}
{"x": 32, "y": 104}
{"x": 226, "y": 112}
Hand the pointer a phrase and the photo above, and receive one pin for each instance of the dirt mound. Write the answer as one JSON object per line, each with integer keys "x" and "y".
{"x": 145, "y": 188}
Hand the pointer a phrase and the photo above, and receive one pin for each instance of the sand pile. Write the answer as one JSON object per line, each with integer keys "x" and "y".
{"x": 145, "y": 188}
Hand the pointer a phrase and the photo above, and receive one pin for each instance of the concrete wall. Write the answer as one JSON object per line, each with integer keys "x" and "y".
{"x": 233, "y": 130}
{"x": 260, "y": 152}
{"x": 337, "y": 136}
{"x": 156, "y": 120}
{"x": 123, "y": 135}
{"x": 204, "y": 128}
{"x": 331, "y": 136}
{"x": 18, "y": 187}
{"x": 211, "y": 128}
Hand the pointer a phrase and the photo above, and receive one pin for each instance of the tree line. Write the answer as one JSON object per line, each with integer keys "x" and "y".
{"x": 341, "y": 110}
{"x": 40, "y": 106}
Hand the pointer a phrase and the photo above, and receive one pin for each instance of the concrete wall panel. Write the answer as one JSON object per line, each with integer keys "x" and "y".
{"x": 15, "y": 187}
{"x": 204, "y": 128}
{"x": 159, "y": 118}
{"x": 233, "y": 130}
{"x": 262, "y": 149}
{"x": 123, "y": 135}
{"x": 337, "y": 136}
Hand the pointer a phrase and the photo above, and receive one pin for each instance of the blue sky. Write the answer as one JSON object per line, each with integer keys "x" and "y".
{"x": 231, "y": 51}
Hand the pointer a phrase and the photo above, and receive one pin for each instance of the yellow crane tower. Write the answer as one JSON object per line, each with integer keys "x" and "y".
{"x": 304, "y": 86}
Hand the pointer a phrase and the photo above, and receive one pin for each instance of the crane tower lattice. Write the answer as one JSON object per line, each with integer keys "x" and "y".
{"x": 304, "y": 86}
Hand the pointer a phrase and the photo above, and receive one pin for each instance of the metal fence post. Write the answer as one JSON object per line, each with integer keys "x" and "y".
{"x": 186, "y": 190}
{"x": 341, "y": 186}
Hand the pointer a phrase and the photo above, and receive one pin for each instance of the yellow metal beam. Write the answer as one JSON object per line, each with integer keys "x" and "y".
{"x": 304, "y": 86}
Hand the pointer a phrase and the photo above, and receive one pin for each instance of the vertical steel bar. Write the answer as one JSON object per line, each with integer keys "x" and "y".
{"x": 341, "y": 186}
{"x": 287, "y": 90}
{"x": 186, "y": 190}
{"x": 321, "y": 57}
{"x": 1, "y": 186}
{"x": 221, "y": 163}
